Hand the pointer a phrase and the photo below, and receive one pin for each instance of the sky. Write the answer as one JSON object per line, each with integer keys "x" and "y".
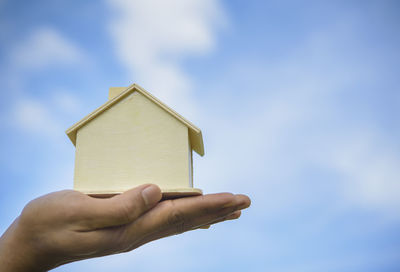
{"x": 298, "y": 102}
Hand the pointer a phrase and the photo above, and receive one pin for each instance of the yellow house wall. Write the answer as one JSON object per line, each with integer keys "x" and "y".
{"x": 132, "y": 143}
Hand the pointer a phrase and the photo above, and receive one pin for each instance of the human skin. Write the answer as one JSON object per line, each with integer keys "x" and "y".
{"x": 68, "y": 226}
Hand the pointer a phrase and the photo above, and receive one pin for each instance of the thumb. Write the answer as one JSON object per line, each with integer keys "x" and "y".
{"x": 121, "y": 209}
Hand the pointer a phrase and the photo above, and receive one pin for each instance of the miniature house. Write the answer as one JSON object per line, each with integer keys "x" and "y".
{"x": 134, "y": 139}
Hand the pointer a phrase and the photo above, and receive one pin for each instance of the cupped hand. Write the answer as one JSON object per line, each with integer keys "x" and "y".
{"x": 66, "y": 226}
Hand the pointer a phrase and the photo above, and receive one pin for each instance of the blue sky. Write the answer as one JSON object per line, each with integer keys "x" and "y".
{"x": 298, "y": 101}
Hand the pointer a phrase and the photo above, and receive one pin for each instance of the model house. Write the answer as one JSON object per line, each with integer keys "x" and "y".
{"x": 134, "y": 139}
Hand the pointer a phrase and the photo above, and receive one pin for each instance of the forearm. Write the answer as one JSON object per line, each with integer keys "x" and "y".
{"x": 16, "y": 254}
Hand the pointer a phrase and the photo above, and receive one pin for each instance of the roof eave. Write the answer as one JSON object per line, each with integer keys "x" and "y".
{"x": 195, "y": 135}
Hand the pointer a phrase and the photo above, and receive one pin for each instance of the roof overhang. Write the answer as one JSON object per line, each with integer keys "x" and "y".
{"x": 195, "y": 135}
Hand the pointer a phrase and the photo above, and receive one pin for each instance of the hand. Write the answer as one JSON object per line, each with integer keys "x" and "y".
{"x": 67, "y": 226}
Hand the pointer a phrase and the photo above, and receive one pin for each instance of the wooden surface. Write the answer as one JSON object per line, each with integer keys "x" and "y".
{"x": 115, "y": 91}
{"x": 132, "y": 143}
{"x": 195, "y": 135}
{"x": 166, "y": 193}
{"x": 178, "y": 193}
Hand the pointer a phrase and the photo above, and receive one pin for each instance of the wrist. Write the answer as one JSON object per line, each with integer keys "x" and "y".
{"x": 17, "y": 252}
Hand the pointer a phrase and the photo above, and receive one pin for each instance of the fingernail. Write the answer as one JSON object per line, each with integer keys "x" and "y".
{"x": 204, "y": 227}
{"x": 243, "y": 206}
{"x": 151, "y": 195}
{"x": 233, "y": 216}
{"x": 245, "y": 203}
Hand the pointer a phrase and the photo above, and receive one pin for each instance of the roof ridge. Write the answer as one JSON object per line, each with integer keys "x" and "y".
{"x": 195, "y": 134}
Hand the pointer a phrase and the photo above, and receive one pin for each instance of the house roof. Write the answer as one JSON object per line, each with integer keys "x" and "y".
{"x": 195, "y": 136}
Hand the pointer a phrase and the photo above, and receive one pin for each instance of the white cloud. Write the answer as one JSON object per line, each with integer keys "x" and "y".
{"x": 294, "y": 123}
{"x": 370, "y": 168}
{"x": 45, "y": 117}
{"x": 65, "y": 102}
{"x": 43, "y": 48}
{"x": 33, "y": 116}
{"x": 151, "y": 38}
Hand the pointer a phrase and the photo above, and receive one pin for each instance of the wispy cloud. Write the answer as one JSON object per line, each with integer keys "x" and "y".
{"x": 44, "y": 117}
{"x": 32, "y": 116}
{"x": 370, "y": 170}
{"x": 153, "y": 37}
{"x": 299, "y": 122}
{"x": 66, "y": 102}
{"x": 44, "y": 48}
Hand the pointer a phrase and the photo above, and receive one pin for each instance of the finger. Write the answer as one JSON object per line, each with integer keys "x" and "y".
{"x": 110, "y": 238}
{"x": 170, "y": 231}
{"x": 204, "y": 227}
{"x": 232, "y": 216}
{"x": 96, "y": 213}
{"x": 179, "y": 215}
